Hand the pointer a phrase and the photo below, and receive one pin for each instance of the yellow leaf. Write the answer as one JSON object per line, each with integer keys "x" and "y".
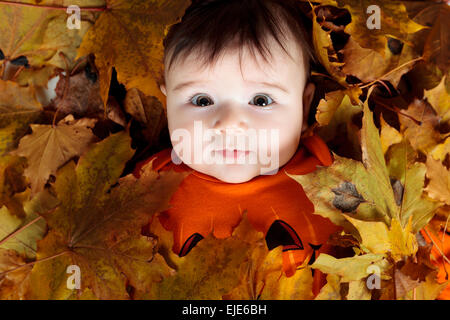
{"x": 38, "y": 34}
{"x": 403, "y": 241}
{"x": 408, "y": 179}
{"x": 429, "y": 289}
{"x": 374, "y": 235}
{"x": 440, "y": 151}
{"x": 394, "y": 22}
{"x": 350, "y": 269}
{"x": 389, "y": 135}
{"x": 333, "y": 101}
{"x": 212, "y": 268}
{"x": 439, "y": 186}
{"x": 128, "y": 36}
{"x": 357, "y": 290}
{"x": 439, "y": 98}
{"x": 423, "y": 136}
{"x": 369, "y": 65}
{"x": 48, "y": 147}
{"x": 332, "y": 289}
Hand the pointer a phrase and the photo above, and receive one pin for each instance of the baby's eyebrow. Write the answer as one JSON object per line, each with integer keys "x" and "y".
{"x": 186, "y": 84}
{"x": 264, "y": 83}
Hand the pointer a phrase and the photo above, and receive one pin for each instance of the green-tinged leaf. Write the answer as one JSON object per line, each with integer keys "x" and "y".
{"x": 411, "y": 178}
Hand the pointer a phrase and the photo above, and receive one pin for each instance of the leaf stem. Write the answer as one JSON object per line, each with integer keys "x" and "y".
{"x": 52, "y": 7}
{"x": 19, "y": 230}
{"x": 397, "y": 110}
{"x": 33, "y": 262}
{"x": 388, "y": 73}
{"x": 17, "y": 73}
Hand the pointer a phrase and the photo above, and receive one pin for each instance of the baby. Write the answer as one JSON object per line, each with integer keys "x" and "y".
{"x": 236, "y": 80}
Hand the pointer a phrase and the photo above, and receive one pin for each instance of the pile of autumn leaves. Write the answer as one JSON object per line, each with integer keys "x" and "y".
{"x": 65, "y": 199}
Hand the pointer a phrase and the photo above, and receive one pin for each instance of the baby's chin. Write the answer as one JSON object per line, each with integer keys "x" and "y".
{"x": 230, "y": 173}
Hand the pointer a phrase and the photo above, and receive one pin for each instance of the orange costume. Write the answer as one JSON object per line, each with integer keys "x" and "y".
{"x": 276, "y": 205}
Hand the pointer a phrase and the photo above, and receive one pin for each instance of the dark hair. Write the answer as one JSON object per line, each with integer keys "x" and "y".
{"x": 214, "y": 25}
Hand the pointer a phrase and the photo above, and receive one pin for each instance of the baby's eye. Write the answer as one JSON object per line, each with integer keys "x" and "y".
{"x": 262, "y": 100}
{"x": 200, "y": 100}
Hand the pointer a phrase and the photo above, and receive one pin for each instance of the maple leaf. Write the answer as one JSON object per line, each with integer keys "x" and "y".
{"x": 97, "y": 226}
{"x": 383, "y": 228}
{"x": 371, "y": 184}
{"x": 48, "y": 147}
{"x": 369, "y": 65}
{"x": 35, "y": 36}
{"x": 394, "y": 22}
{"x": 239, "y": 267}
{"x": 261, "y": 277}
{"x": 128, "y": 36}
{"x": 377, "y": 201}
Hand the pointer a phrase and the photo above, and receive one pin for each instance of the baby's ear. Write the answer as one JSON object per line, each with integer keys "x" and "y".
{"x": 308, "y": 95}
{"x": 162, "y": 87}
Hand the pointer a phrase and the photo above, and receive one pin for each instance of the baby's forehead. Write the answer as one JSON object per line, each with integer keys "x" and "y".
{"x": 244, "y": 60}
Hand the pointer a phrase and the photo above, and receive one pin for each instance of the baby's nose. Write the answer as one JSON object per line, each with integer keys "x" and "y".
{"x": 231, "y": 118}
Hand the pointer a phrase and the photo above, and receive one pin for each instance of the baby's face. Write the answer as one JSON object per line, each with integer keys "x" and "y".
{"x": 260, "y": 112}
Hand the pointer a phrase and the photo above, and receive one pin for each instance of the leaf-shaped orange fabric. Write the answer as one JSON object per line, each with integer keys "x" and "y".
{"x": 203, "y": 205}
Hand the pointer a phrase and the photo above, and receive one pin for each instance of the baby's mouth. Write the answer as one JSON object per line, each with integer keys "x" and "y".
{"x": 232, "y": 153}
